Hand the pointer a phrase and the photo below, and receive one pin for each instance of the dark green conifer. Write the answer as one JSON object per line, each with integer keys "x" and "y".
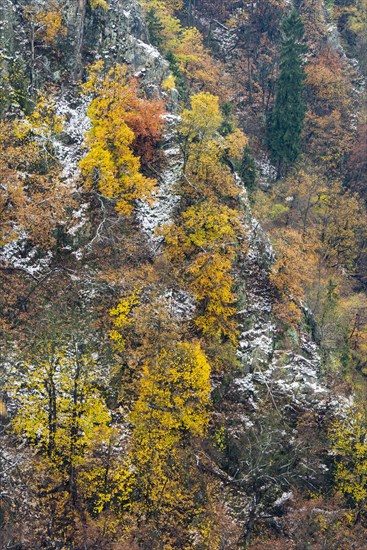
{"x": 247, "y": 169}
{"x": 287, "y": 117}
{"x": 181, "y": 84}
{"x": 155, "y": 27}
{"x": 228, "y": 124}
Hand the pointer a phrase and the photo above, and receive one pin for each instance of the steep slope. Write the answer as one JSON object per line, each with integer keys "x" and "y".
{"x": 109, "y": 325}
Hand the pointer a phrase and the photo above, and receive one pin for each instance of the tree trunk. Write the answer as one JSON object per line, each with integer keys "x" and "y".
{"x": 74, "y": 433}
{"x": 250, "y": 523}
{"x": 79, "y": 37}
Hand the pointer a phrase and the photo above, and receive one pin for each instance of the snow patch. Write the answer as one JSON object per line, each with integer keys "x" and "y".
{"x": 69, "y": 144}
{"x": 19, "y": 255}
{"x": 156, "y": 215}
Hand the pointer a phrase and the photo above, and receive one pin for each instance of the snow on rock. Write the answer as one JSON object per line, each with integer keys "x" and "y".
{"x": 181, "y": 305}
{"x": 159, "y": 213}
{"x": 123, "y": 38}
{"x": 267, "y": 171}
{"x": 154, "y": 216}
{"x": 20, "y": 255}
{"x": 81, "y": 218}
{"x": 285, "y": 497}
{"x": 294, "y": 372}
{"x": 69, "y": 145}
{"x": 225, "y": 37}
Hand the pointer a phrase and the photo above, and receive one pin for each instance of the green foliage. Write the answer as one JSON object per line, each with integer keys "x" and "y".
{"x": 247, "y": 170}
{"x": 348, "y": 436}
{"x": 228, "y": 125}
{"x": 14, "y": 85}
{"x": 180, "y": 80}
{"x": 155, "y": 27}
{"x": 19, "y": 82}
{"x": 287, "y": 117}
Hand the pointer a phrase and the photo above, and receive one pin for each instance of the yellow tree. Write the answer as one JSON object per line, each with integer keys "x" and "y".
{"x": 62, "y": 415}
{"x": 168, "y": 395}
{"x": 195, "y": 61}
{"x": 46, "y": 28}
{"x": 110, "y": 165}
{"x": 47, "y": 23}
{"x": 348, "y": 436}
{"x": 171, "y": 410}
{"x": 203, "y": 246}
{"x": 200, "y": 123}
{"x": 184, "y": 48}
{"x": 205, "y": 150}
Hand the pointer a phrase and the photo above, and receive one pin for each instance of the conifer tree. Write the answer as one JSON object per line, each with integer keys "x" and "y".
{"x": 248, "y": 170}
{"x": 155, "y": 27}
{"x": 287, "y": 117}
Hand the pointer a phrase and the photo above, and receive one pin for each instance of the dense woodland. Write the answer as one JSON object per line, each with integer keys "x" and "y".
{"x": 183, "y": 255}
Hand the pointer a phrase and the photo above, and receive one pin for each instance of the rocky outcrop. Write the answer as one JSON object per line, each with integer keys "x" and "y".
{"x": 116, "y": 35}
{"x": 119, "y": 35}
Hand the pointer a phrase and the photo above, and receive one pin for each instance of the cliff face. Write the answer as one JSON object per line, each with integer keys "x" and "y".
{"x": 275, "y": 399}
{"x": 118, "y": 35}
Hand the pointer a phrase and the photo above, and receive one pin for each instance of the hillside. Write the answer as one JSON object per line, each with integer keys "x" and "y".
{"x": 183, "y": 252}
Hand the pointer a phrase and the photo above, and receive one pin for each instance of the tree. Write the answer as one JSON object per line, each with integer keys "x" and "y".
{"x": 110, "y": 165}
{"x": 349, "y": 447}
{"x": 155, "y": 27}
{"x": 33, "y": 200}
{"x": 171, "y": 410}
{"x": 208, "y": 155}
{"x": 291, "y": 273}
{"x": 62, "y": 415}
{"x": 247, "y": 169}
{"x": 192, "y": 61}
{"x": 204, "y": 245}
{"x": 328, "y": 134}
{"x": 168, "y": 393}
{"x": 46, "y": 27}
{"x": 195, "y": 61}
{"x": 287, "y": 117}
{"x": 200, "y": 123}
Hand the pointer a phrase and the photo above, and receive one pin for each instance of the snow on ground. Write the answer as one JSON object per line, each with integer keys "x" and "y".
{"x": 181, "y": 305}
{"x": 267, "y": 171}
{"x": 68, "y": 147}
{"x": 81, "y": 217}
{"x": 154, "y": 216}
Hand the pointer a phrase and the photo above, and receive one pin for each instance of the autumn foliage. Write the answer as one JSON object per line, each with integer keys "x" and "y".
{"x": 33, "y": 199}
{"x": 199, "y": 385}
{"x": 121, "y": 122}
